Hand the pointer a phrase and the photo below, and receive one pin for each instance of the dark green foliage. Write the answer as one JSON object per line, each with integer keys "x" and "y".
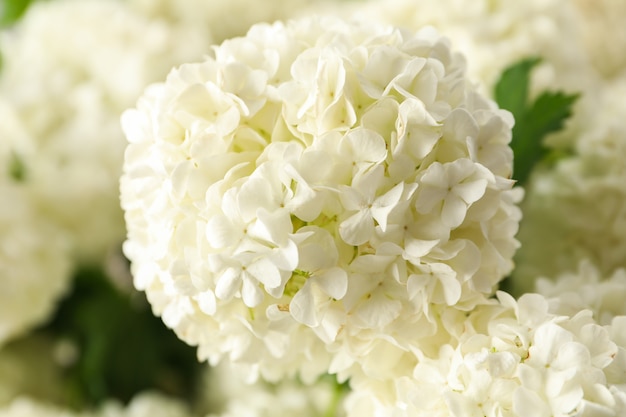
{"x": 534, "y": 120}
{"x": 122, "y": 347}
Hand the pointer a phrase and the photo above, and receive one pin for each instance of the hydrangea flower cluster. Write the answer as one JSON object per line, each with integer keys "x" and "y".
{"x": 581, "y": 201}
{"x": 220, "y": 20}
{"x": 515, "y": 358}
{"x": 34, "y": 253}
{"x": 586, "y": 289}
{"x": 143, "y": 405}
{"x": 228, "y": 395}
{"x": 604, "y": 35}
{"x": 314, "y": 189}
{"x": 483, "y": 29}
{"x": 69, "y": 69}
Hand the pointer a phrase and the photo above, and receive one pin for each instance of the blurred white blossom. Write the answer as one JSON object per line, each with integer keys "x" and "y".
{"x": 145, "y": 404}
{"x": 228, "y": 395}
{"x": 586, "y": 289}
{"x": 603, "y": 34}
{"x": 220, "y": 20}
{"x": 493, "y": 34}
{"x": 576, "y": 209}
{"x": 34, "y": 253}
{"x": 69, "y": 68}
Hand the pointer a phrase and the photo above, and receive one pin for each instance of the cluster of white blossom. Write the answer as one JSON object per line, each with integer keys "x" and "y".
{"x": 603, "y": 34}
{"x": 34, "y": 253}
{"x": 221, "y": 20}
{"x": 69, "y": 69}
{"x": 313, "y": 191}
{"x": 576, "y": 209}
{"x": 493, "y": 34}
{"x": 514, "y": 358}
{"x": 143, "y": 405}
{"x": 586, "y": 289}
{"x": 228, "y": 395}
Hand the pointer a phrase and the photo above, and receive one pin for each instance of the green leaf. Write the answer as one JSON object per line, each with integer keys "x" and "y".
{"x": 123, "y": 348}
{"x": 549, "y": 112}
{"x": 511, "y": 91}
{"x": 533, "y": 120}
{"x": 12, "y": 10}
{"x": 547, "y": 115}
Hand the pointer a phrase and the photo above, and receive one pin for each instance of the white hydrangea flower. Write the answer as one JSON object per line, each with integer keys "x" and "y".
{"x": 586, "y": 289}
{"x": 604, "y": 35}
{"x": 577, "y": 209}
{"x": 145, "y": 404}
{"x": 34, "y": 254}
{"x": 26, "y": 407}
{"x": 616, "y": 370}
{"x": 312, "y": 190}
{"x": 69, "y": 68}
{"x": 228, "y": 395}
{"x": 219, "y": 20}
{"x": 514, "y": 358}
{"x": 506, "y": 29}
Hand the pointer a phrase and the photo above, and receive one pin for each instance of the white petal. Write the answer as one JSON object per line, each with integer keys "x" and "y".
{"x": 366, "y": 146}
{"x": 302, "y": 306}
{"x": 333, "y": 282}
{"x": 254, "y": 194}
{"x": 221, "y": 233}
{"x": 472, "y": 191}
{"x": 459, "y": 125}
{"x": 453, "y": 211}
{"x": 251, "y": 294}
{"x": 460, "y": 405}
{"x": 273, "y": 227}
{"x": 331, "y": 323}
{"x": 285, "y": 257}
{"x": 416, "y": 248}
{"x": 340, "y": 115}
{"x": 528, "y": 403}
{"x": 264, "y": 271}
{"x": 378, "y": 310}
{"x": 228, "y": 284}
{"x": 317, "y": 251}
{"x": 572, "y": 355}
{"x": 416, "y": 284}
{"x": 451, "y": 287}
{"x": 357, "y": 229}
{"x": 206, "y": 302}
{"x": 549, "y": 338}
{"x": 351, "y": 198}
{"x": 384, "y": 204}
